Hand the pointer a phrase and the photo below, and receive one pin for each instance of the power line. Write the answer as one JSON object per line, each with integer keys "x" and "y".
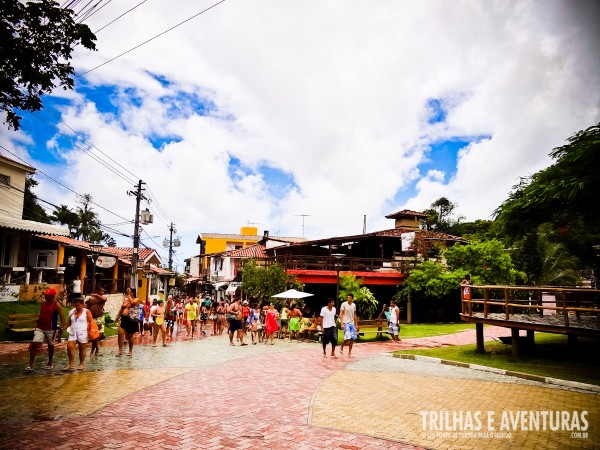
{"x": 93, "y": 10}
{"x": 66, "y": 187}
{"x": 114, "y": 20}
{"x": 43, "y": 118}
{"x": 151, "y": 39}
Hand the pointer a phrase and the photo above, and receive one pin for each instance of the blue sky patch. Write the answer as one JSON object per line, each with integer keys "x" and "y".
{"x": 442, "y": 156}
{"x": 437, "y": 111}
{"x": 278, "y": 181}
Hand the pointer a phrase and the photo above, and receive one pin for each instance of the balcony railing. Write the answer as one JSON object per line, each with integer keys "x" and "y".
{"x": 309, "y": 262}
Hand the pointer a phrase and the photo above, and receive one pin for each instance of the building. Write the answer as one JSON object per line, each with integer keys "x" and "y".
{"x": 205, "y": 271}
{"x": 19, "y": 265}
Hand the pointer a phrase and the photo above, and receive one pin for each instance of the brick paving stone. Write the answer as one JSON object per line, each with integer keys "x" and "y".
{"x": 202, "y": 393}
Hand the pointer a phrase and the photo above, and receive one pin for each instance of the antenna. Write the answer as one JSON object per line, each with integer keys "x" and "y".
{"x": 303, "y": 216}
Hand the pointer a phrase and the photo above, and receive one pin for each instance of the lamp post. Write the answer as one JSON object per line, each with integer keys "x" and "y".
{"x": 95, "y": 255}
{"x": 338, "y": 266}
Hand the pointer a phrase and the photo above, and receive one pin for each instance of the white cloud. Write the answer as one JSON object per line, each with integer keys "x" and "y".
{"x": 334, "y": 94}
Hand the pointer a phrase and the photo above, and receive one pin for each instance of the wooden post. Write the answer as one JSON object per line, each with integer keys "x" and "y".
{"x": 515, "y": 342}
{"x": 409, "y": 310}
{"x": 565, "y": 312}
{"x": 530, "y": 339}
{"x": 486, "y": 298}
{"x": 479, "y": 337}
{"x": 506, "y": 303}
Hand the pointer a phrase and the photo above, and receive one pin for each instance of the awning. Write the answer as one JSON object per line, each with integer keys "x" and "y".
{"x": 220, "y": 286}
{"x": 31, "y": 226}
{"x": 231, "y": 289}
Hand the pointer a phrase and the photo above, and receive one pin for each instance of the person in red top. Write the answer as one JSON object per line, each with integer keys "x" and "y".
{"x": 246, "y": 314}
{"x": 44, "y": 330}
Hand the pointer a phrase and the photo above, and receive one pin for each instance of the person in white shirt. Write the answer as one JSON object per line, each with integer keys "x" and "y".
{"x": 394, "y": 321}
{"x": 350, "y": 320}
{"x": 327, "y": 322}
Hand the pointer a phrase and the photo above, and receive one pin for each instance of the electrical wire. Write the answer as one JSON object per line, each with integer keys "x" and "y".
{"x": 66, "y": 187}
{"x": 149, "y": 40}
{"x": 93, "y": 10}
{"x": 45, "y": 119}
{"x": 114, "y": 20}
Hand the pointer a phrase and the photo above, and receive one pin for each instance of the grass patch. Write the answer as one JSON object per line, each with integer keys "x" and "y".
{"x": 551, "y": 357}
{"x": 418, "y": 330}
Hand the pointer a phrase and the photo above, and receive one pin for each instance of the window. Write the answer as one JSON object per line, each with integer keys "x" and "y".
{"x": 4, "y": 180}
{"x": 6, "y": 249}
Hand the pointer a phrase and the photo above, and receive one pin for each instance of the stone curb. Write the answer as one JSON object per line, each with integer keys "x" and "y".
{"x": 592, "y": 388}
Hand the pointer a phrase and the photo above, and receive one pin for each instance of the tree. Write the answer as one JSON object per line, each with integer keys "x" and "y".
{"x": 439, "y": 215}
{"x": 31, "y": 208}
{"x": 486, "y": 262}
{"x": 564, "y": 195}
{"x": 366, "y": 303}
{"x": 37, "y": 39}
{"x": 264, "y": 282}
{"x": 89, "y": 225}
{"x": 65, "y": 216}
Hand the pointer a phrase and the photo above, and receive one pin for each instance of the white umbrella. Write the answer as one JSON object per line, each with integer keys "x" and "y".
{"x": 292, "y": 293}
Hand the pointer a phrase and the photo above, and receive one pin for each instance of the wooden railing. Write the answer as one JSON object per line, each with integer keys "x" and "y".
{"x": 529, "y": 300}
{"x": 354, "y": 264}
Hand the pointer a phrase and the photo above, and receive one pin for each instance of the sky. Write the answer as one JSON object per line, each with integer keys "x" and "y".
{"x": 302, "y": 118}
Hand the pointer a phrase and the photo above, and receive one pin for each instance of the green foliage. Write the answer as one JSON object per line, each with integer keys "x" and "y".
{"x": 366, "y": 303}
{"x": 564, "y": 195}
{"x": 487, "y": 262}
{"x": 429, "y": 279}
{"x": 31, "y": 208}
{"x": 264, "y": 282}
{"x": 37, "y": 39}
{"x": 439, "y": 215}
{"x": 479, "y": 230}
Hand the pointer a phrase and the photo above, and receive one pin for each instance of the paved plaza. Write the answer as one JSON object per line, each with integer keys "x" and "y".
{"x": 206, "y": 394}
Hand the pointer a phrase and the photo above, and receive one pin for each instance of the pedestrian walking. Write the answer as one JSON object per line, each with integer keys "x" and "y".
{"x": 349, "y": 319}
{"x": 394, "y": 322}
{"x": 128, "y": 325}
{"x": 294, "y": 315}
{"x": 170, "y": 315}
{"x": 44, "y": 330}
{"x": 158, "y": 319}
{"x": 80, "y": 322}
{"x": 235, "y": 319}
{"x": 271, "y": 323}
{"x": 190, "y": 315}
{"x": 327, "y": 322}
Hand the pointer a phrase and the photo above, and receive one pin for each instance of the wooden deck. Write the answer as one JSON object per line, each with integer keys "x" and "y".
{"x": 571, "y": 311}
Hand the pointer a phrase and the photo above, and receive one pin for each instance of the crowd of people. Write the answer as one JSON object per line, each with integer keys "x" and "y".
{"x": 242, "y": 321}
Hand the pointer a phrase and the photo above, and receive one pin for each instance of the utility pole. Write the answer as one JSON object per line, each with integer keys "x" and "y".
{"x": 172, "y": 243}
{"x": 139, "y": 196}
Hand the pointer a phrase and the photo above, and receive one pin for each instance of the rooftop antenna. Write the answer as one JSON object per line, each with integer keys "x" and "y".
{"x": 365, "y": 224}
{"x": 303, "y": 216}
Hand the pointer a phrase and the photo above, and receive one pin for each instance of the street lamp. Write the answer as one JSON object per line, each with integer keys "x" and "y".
{"x": 95, "y": 255}
{"x": 338, "y": 266}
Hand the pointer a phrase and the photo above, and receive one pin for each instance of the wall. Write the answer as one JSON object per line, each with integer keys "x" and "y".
{"x": 14, "y": 208}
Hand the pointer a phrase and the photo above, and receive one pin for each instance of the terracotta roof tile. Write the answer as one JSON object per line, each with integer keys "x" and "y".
{"x": 405, "y": 213}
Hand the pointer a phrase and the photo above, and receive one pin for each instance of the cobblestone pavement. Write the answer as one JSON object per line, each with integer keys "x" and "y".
{"x": 205, "y": 394}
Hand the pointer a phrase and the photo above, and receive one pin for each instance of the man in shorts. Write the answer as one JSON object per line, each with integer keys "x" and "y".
{"x": 394, "y": 321}
{"x": 349, "y": 319}
{"x": 44, "y": 331}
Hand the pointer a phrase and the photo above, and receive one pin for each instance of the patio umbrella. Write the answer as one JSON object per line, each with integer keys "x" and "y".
{"x": 292, "y": 293}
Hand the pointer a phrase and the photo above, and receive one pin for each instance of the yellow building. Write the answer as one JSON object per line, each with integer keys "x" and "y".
{"x": 218, "y": 242}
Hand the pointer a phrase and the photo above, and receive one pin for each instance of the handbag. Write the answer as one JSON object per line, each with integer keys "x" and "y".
{"x": 93, "y": 332}
{"x": 230, "y": 316}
